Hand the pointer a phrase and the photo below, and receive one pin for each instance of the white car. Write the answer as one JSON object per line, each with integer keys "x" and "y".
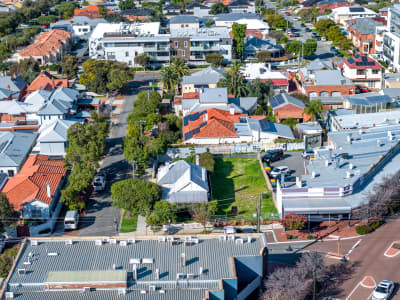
{"x": 279, "y": 170}
{"x": 383, "y": 291}
{"x": 229, "y": 230}
{"x": 99, "y": 183}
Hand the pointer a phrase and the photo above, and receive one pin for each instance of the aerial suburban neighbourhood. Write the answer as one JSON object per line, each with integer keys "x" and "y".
{"x": 211, "y": 150}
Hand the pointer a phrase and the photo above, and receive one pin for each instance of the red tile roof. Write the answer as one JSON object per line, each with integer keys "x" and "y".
{"x": 178, "y": 100}
{"x": 46, "y": 81}
{"x": 193, "y": 95}
{"x": 31, "y": 182}
{"x": 357, "y": 62}
{"x": 280, "y": 81}
{"x": 46, "y": 43}
{"x": 91, "y": 11}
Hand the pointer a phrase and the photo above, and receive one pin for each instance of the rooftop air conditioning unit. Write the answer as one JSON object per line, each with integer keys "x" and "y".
{"x": 123, "y": 243}
{"x": 121, "y": 291}
{"x": 34, "y": 243}
{"x": 98, "y": 242}
{"x": 68, "y": 242}
{"x": 9, "y": 295}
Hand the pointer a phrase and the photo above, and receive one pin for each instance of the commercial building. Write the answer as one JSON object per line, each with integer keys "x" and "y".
{"x": 191, "y": 268}
{"x": 391, "y": 39}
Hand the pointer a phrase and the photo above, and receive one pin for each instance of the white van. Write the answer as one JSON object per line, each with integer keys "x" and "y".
{"x": 71, "y": 220}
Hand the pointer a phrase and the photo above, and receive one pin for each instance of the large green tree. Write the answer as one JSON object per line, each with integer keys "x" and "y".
{"x": 203, "y": 212}
{"x": 126, "y": 4}
{"x": 70, "y": 66}
{"x": 263, "y": 56}
{"x": 238, "y": 32}
{"x": 142, "y": 60}
{"x": 135, "y": 195}
{"x": 66, "y": 9}
{"x": 234, "y": 81}
{"x": 314, "y": 109}
{"x": 163, "y": 213}
{"x": 215, "y": 59}
{"x": 169, "y": 79}
{"x": 218, "y": 8}
{"x": 27, "y": 69}
{"x": 8, "y": 215}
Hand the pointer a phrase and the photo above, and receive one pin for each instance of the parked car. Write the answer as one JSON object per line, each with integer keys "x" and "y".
{"x": 333, "y": 49}
{"x": 229, "y": 230}
{"x": 308, "y": 154}
{"x": 99, "y": 183}
{"x": 308, "y": 29}
{"x": 295, "y": 19}
{"x": 302, "y": 25}
{"x": 323, "y": 39}
{"x": 278, "y": 171}
{"x": 71, "y": 220}
{"x": 364, "y": 89}
{"x": 383, "y": 291}
{"x": 272, "y": 155}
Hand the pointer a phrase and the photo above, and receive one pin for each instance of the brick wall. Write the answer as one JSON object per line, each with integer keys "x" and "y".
{"x": 177, "y": 45}
{"x": 343, "y": 89}
{"x": 11, "y": 118}
{"x": 290, "y": 111}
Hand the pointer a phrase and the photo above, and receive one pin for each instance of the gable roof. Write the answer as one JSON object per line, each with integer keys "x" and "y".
{"x": 331, "y": 77}
{"x": 209, "y": 75}
{"x": 318, "y": 64}
{"x": 46, "y": 81}
{"x": 362, "y": 62}
{"x": 56, "y": 131}
{"x": 15, "y": 84}
{"x": 32, "y": 182}
{"x": 281, "y": 100}
{"x": 14, "y": 147}
{"x": 184, "y": 19}
{"x": 366, "y": 25}
{"x": 65, "y": 94}
{"x": 55, "y": 107}
{"x": 5, "y": 93}
{"x": 215, "y": 95}
{"x": 235, "y": 16}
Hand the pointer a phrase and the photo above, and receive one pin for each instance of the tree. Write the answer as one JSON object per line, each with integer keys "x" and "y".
{"x": 215, "y": 59}
{"x": 309, "y": 47}
{"x": 206, "y": 160}
{"x": 163, "y": 213}
{"x": 203, "y": 212}
{"x": 314, "y": 109}
{"x": 209, "y": 23}
{"x": 262, "y": 90}
{"x": 7, "y": 213}
{"x": 169, "y": 79}
{"x": 66, "y": 9}
{"x": 135, "y": 195}
{"x": 104, "y": 76}
{"x": 290, "y": 122}
{"x": 294, "y": 221}
{"x": 238, "y": 32}
{"x": 293, "y": 46}
{"x": 234, "y": 81}
{"x": 7, "y": 259}
{"x": 70, "y": 66}
{"x": 46, "y": 20}
{"x": 180, "y": 68}
{"x": 142, "y": 59}
{"x": 27, "y": 69}
{"x": 301, "y": 97}
{"x": 126, "y": 4}
{"x": 218, "y": 8}
{"x": 263, "y": 56}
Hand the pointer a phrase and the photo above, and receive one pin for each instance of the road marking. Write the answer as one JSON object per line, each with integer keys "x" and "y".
{"x": 353, "y": 290}
{"x": 360, "y": 284}
{"x": 354, "y": 247}
{"x": 391, "y": 255}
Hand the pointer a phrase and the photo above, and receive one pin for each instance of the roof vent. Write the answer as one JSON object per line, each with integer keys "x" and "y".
{"x": 351, "y": 167}
{"x": 249, "y": 239}
{"x": 180, "y": 276}
{"x": 148, "y": 261}
{"x": 161, "y": 291}
{"x": 161, "y": 239}
{"x": 231, "y": 237}
{"x": 239, "y": 241}
{"x": 98, "y": 242}
{"x": 134, "y": 272}
{"x": 183, "y": 260}
{"x": 349, "y": 139}
{"x": 21, "y": 271}
{"x": 34, "y": 243}
{"x": 348, "y": 174}
{"x": 135, "y": 261}
{"x": 123, "y": 243}
{"x": 152, "y": 288}
{"x": 121, "y": 291}
{"x": 326, "y": 163}
{"x": 190, "y": 276}
{"x": 133, "y": 241}
{"x": 313, "y": 174}
{"x": 378, "y": 143}
{"x": 9, "y": 295}
{"x": 143, "y": 292}
{"x": 157, "y": 274}
{"x": 113, "y": 241}
{"x": 86, "y": 289}
{"x": 114, "y": 267}
{"x": 201, "y": 271}
{"x": 52, "y": 254}
{"x": 68, "y": 242}
{"x": 223, "y": 237}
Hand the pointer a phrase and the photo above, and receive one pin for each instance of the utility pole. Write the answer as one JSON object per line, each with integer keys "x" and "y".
{"x": 259, "y": 212}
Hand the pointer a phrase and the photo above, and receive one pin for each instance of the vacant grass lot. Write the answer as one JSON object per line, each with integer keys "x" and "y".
{"x": 239, "y": 182}
{"x": 128, "y": 223}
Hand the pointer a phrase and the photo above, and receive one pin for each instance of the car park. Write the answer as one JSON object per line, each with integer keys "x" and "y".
{"x": 272, "y": 155}
{"x": 383, "y": 291}
{"x": 308, "y": 154}
{"x": 278, "y": 171}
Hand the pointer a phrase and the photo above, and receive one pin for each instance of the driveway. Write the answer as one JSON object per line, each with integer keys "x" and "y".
{"x": 294, "y": 161}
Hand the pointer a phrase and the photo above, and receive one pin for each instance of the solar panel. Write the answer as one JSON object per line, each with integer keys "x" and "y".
{"x": 351, "y": 60}
{"x": 356, "y": 9}
{"x": 186, "y": 120}
{"x": 276, "y": 101}
{"x": 364, "y": 58}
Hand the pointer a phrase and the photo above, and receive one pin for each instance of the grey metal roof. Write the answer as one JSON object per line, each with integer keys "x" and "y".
{"x": 183, "y": 19}
{"x": 86, "y": 276}
{"x": 137, "y": 12}
{"x": 257, "y": 44}
{"x": 316, "y": 206}
{"x": 55, "y": 131}
{"x": 212, "y": 254}
{"x": 368, "y": 99}
{"x": 364, "y": 25}
{"x": 14, "y": 147}
{"x": 247, "y": 104}
{"x": 14, "y": 84}
{"x": 392, "y": 92}
{"x": 309, "y": 126}
{"x": 78, "y": 20}
{"x": 235, "y": 16}
{"x": 55, "y": 107}
{"x": 215, "y": 95}
{"x": 5, "y": 93}
{"x": 331, "y": 77}
{"x": 283, "y": 99}
{"x": 65, "y": 94}
{"x": 318, "y": 64}
{"x": 209, "y": 75}
{"x": 264, "y": 125}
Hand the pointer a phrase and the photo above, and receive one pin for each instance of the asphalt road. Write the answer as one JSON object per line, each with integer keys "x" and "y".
{"x": 367, "y": 259}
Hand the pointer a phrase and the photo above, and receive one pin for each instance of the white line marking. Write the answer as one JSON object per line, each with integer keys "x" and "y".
{"x": 352, "y": 292}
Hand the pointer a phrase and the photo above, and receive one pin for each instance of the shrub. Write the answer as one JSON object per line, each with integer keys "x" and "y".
{"x": 374, "y": 224}
{"x": 291, "y": 236}
{"x": 363, "y": 229}
{"x": 310, "y": 237}
{"x": 294, "y": 222}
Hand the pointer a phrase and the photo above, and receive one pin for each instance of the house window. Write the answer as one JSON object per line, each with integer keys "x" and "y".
{"x": 371, "y": 84}
{"x": 186, "y": 44}
{"x": 360, "y": 72}
{"x": 182, "y": 25}
{"x": 176, "y": 43}
{"x": 183, "y": 53}
{"x": 10, "y": 173}
{"x": 126, "y": 53}
{"x": 36, "y": 213}
{"x": 375, "y": 71}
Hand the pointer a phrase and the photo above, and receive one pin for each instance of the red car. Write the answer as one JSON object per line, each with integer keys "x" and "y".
{"x": 287, "y": 13}
{"x": 364, "y": 89}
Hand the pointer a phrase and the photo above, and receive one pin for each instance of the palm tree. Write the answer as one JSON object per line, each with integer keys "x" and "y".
{"x": 290, "y": 122}
{"x": 169, "y": 79}
{"x": 313, "y": 109}
{"x": 179, "y": 67}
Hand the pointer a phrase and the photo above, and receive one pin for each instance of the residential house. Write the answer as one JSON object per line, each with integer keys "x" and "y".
{"x": 205, "y": 78}
{"x": 14, "y": 149}
{"x": 221, "y": 268}
{"x": 216, "y": 98}
{"x": 183, "y": 183}
{"x": 46, "y": 81}
{"x": 35, "y": 190}
{"x": 367, "y": 102}
{"x": 52, "y": 138}
{"x": 260, "y": 71}
{"x": 391, "y": 80}
{"x": 171, "y": 10}
{"x": 391, "y": 39}
{"x": 285, "y": 106}
{"x": 361, "y": 32}
{"x": 310, "y": 129}
{"x": 363, "y": 71}
{"x": 197, "y": 9}
{"x": 324, "y": 83}
{"x": 215, "y": 126}
{"x": 241, "y": 6}
{"x": 253, "y": 45}
{"x": 345, "y": 13}
{"x": 331, "y": 4}
{"x": 194, "y": 44}
{"x": 48, "y": 48}
{"x": 251, "y": 20}
{"x": 5, "y": 94}
{"x": 184, "y": 22}
{"x": 137, "y": 14}
{"x": 90, "y": 11}
{"x": 14, "y": 85}
{"x": 80, "y": 26}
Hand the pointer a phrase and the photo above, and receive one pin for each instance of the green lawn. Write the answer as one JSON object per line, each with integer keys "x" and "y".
{"x": 128, "y": 223}
{"x": 239, "y": 182}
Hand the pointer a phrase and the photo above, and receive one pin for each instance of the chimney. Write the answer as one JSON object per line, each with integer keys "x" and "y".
{"x": 232, "y": 110}
{"x": 157, "y": 274}
{"x": 326, "y": 163}
{"x": 48, "y": 190}
{"x": 205, "y": 117}
{"x": 313, "y": 174}
{"x": 134, "y": 272}
{"x": 348, "y": 174}
{"x": 203, "y": 174}
{"x": 298, "y": 182}
{"x": 269, "y": 67}
{"x": 8, "y": 87}
{"x": 183, "y": 260}
{"x": 201, "y": 270}
{"x": 197, "y": 160}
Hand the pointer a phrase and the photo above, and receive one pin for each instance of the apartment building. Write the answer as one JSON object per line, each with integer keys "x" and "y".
{"x": 194, "y": 44}
{"x": 391, "y": 39}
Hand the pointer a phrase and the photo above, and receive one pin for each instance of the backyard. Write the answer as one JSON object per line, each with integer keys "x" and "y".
{"x": 239, "y": 182}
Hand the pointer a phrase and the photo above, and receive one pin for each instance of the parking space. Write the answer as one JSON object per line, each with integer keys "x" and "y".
{"x": 294, "y": 161}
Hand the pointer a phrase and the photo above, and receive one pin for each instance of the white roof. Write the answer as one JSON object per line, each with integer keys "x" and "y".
{"x": 254, "y": 24}
{"x": 347, "y": 10}
{"x": 259, "y": 70}
{"x": 12, "y": 107}
{"x": 101, "y": 28}
{"x": 369, "y": 120}
{"x": 56, "y": 131}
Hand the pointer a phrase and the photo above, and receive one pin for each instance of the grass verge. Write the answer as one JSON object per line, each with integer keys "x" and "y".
{"x": 128, "y": 223}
